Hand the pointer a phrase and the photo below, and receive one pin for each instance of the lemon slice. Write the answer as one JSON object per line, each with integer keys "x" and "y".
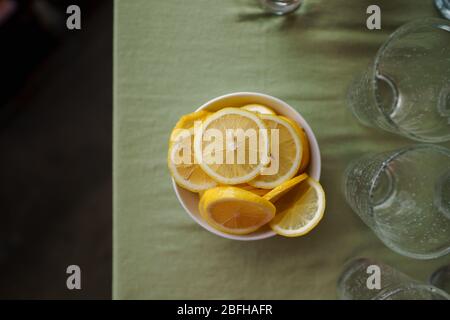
{"x": 299, "y": 210}
{"x": 258, "y": 108}
{"x": 274, "y": 194}
{"x": 234, "y": 210}
{"x": 285, "y": 154}
{"x": 226, "y": 164}
{"x": 306, "y": 156}
{"x": 187, "y": 121}
{"x": 182, "y": 166}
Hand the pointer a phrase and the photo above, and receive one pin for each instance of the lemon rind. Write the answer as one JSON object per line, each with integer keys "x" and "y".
{"x": 317, "y": 218}
{"x": 294, "y": 169}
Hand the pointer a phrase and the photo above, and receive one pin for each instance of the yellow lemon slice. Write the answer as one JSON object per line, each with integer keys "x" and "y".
{"x": 187, "y": 121}
{"x": 305, "y": 143}
{"x": 182, "y": 166}
{"x": 258, "y": 108}
{"x": 234, "y": 210}
{"x": 274, "y": 194}
{"x": 285, "y": 153}
{"x": 299, "y": 210}
{"x": 231, "y": 146}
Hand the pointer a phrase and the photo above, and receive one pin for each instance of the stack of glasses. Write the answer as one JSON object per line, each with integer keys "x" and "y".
{"x": 404, "y": 195}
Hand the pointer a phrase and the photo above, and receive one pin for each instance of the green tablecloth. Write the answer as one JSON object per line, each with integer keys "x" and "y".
{"x": 172, "y": 56}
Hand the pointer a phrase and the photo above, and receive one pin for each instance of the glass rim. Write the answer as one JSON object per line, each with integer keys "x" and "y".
{"x": 435, "y": 23}
{"x": 414, "y": 284}
{"x": 405, "y": 281}
{"x": 349, "y": 267}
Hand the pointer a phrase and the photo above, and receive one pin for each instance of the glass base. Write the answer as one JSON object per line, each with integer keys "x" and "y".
{"x": 442, "y": 194}
{"x": 384, "y": 187}
{"x": 444, "y": 103}
{"x": 280, "y": 7}
{"x": 441, "y": 278}
{"x": 386, "y": 94}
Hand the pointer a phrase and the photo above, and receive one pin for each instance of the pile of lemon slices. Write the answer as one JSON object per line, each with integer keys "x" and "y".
{"x": 239, "y": 197}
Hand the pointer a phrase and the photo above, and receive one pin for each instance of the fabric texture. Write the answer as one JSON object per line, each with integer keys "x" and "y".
{"x": 172, "y": 56}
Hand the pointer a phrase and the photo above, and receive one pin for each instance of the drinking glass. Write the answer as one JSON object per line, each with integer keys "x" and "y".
{"x": 394, "y": 285}
{"x": 406, "y": 89}
{"x": 441, "y": 278}
{"x": 444, "y": 7}
{"x": 280, "y": 7}
{"x": 404, "y": 197}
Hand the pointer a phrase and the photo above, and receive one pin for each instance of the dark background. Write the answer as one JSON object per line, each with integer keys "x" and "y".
{"x": 55, "y": 149}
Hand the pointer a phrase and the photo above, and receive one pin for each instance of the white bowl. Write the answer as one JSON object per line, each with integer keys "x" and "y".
{"x": 189, "y": 200}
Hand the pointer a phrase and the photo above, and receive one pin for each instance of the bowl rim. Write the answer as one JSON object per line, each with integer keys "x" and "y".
{"x": 315, "y": 156}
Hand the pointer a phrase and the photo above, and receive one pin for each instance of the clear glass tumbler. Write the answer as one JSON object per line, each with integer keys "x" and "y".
{"x": 444, "y": 7}
{"x": 394, "y": 285}
{"x": 280, "y": 7}
{"x": 404, "y": 197}
{"x": 441, "y": 278}
{"x": 406, "y": 90}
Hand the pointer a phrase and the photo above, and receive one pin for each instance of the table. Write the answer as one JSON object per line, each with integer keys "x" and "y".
{"x": 172, "y": 56}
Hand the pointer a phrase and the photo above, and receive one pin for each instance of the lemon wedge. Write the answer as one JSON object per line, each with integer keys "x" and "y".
{"x": 274, "y": 194}
{"x": 182, "y": 166}
{"x": 222, "y": 163}
{"x": 299, "y": 210}
{"x": 234, "y": 210}
{"x": 258, "y": 108}
{"x": 285, "y": 153}
{"x": 258, "y": 191}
